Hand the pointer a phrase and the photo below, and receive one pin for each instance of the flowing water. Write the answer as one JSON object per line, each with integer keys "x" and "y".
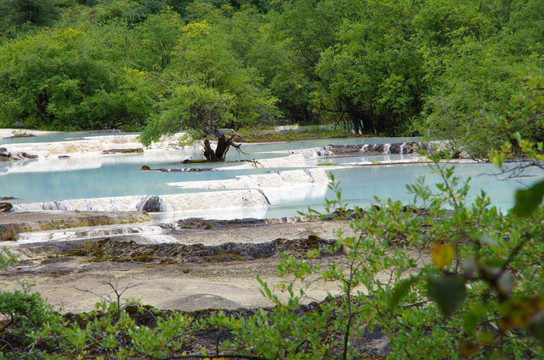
{"x": 288, "y": 178}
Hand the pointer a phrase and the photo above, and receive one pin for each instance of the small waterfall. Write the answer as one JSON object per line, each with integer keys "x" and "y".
{"x": 396, "y": 148}
{"x": 386, "y": 148}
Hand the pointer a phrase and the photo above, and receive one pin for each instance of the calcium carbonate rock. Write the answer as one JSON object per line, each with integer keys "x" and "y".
{"x": 150, "y": 204}
{"x": 55, "y": 205}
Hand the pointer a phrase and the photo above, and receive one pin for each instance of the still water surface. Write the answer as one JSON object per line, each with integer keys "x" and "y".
{"x": 120, "y": 175}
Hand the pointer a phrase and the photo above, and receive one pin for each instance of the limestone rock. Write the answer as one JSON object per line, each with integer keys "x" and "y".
{"x": 150, "y": 204}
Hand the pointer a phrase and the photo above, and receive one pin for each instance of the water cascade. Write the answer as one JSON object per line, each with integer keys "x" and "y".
{"x": 385, "y": 148}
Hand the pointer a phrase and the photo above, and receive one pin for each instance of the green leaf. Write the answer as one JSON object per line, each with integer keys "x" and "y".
{"x": 473, "y": 317}
{"x": 536, "y": 324}
{"x": 448, "y": 292}
{"x": 401, "y": 289}
{"x": 527, "y": 201}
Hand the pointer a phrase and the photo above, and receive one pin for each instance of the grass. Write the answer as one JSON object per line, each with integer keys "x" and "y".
{"x": 260, "y": 135}
{"x": 21, "y": 133}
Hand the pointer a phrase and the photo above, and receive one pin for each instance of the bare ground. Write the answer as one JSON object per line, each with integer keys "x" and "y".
{"x": 209, "y": 266}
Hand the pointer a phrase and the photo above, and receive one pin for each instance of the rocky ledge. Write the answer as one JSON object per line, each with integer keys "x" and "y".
{"x": 11, "y": 224}
{"x": 5, "y": 155}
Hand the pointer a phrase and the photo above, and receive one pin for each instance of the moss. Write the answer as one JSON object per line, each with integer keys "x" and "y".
{"x": 79, "y": 252}
{"x": 313, "y": 239}
{"x": 123, "y": 151}
{"x": 21, "y": 134}
{"x": 138, "y": 150}
{"x": 145, "y": 257}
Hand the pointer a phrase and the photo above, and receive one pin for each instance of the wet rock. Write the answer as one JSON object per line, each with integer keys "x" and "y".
{"x": 5, "y": 207}
{"x": 193, "y": 224}
{"x": 342, "y": 149}
{"x": 4, "y": 154}
{"x": 4, "y": 198}
{"x": 130, "y": 251}
{"x": 184, "y": 170}
{"x": 395, "y": 148}
{"x": 19, "y": 156}
{"x": 30, "y": 156}
{"x": 64, "y": 157}
{"x": 175, "y": 170}
{"x": 150, "y": 204}
{"x": 379, "y": 148}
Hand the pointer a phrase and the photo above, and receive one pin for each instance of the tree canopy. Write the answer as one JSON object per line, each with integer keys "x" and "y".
{"x": 447, "y": 68}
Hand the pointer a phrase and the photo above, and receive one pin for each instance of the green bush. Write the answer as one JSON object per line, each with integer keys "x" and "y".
{"x": 24, "y": 314}
{"x": 443, "y": 281}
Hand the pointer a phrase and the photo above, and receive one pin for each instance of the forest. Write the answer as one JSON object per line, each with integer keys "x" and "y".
{"x": 443, "y": 68}
{"x": 464, "y": 279}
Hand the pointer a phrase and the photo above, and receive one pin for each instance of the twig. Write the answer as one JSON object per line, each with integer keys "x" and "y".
{"x": 423, "y": 302}
{"x": 114, "y": 287}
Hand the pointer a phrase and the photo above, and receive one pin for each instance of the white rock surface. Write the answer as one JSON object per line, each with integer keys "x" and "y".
{"x": 276, "y": 179}
{"x": 168, "y": 203}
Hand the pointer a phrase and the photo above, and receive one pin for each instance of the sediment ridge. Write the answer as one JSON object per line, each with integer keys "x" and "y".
{"x": 11, "y": 224}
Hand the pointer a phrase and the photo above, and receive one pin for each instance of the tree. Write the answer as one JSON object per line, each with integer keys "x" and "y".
{"x": 372, "y": 77}
{"x": 202, "y": 110}
{"x": 37, "y": 12}
{"x": 206, "y": 87}
{"x": 59, "y": 80}
{"x": 154, "y": 41}
{"x": 476, "y": 59}
{"x": 292, "y": 43}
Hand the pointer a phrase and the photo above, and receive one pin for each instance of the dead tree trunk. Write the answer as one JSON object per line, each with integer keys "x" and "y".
{"x": 224, "y": 142}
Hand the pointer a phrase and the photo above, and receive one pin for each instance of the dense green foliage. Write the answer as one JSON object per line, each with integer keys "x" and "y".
{"x": 446, "y": 67}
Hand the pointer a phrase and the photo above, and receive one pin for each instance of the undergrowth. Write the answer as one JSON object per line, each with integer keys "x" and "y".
{"x": 441, "y": 278}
